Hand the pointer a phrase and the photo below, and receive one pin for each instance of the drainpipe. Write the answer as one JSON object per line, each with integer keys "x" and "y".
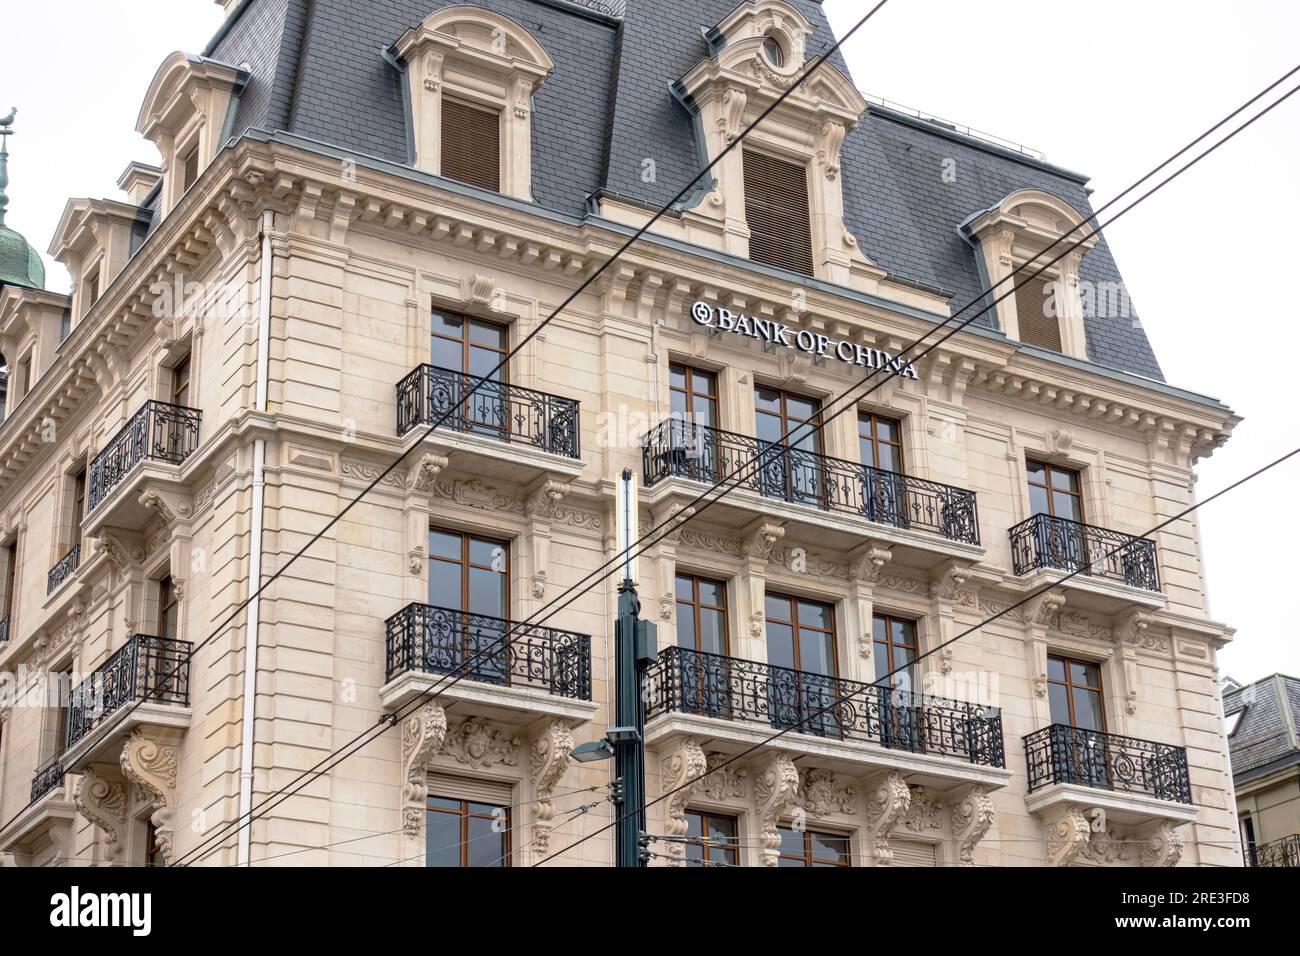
{"x": 253, "y": 610}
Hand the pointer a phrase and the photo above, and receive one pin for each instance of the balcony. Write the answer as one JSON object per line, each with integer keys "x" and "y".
{"x": 48, "y": 779}
{"x": 542, "y": 430}
{"x": 1046, "y": 541}
{"x": 66, "y": 567}
{"x": 884, "y": 504}
{"x": 148, "y": 448}
{"x": 512, "y": 672}
{"x": 1283, "y": 852}
{"x": 737, "y": 702}
{"x": 145, "y": 681}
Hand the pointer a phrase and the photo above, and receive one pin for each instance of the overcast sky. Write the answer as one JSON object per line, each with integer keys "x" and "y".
{"x": 1107, "y": 87}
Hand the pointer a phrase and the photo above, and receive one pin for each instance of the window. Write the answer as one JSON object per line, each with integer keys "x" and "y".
{"x": 78, "y": 506}
{"x": 1036, "y": 313}
{"x": 468, "y": 575}
{"x": 712, "y": 839}
{"x": 11, "y": 580}
{"x": 693, "y": 394}
{"x": 180, "y": 385}
{"x": 895, "y": 646}
{"x": 1074, "y": 693}
{"x": 776, "y": 211}
{"x": 802, "y": 689}
{"x": 463, "y": 344}
{"x": 793, "y": 477}
{"x": 56, "y": 716}
{"x": 466, "y": 833}
{"x": 813, "y": 848}
{"x": 1054, "y": 491}
{"x": 1232, "y": 722}
{"x": 168, "y": 609}
{"x": 25, "y": 376}
{"x": 471, "y": 144}
{"x": 772, "y": 50}
{"x": 702, "y": 628}
{"x": 190, "y": 168}
{"x": 880, "y": 442}
{"x": 153, "y": 854}
{"x": 92, "y": 289}
{"x": 1248, "y": 840}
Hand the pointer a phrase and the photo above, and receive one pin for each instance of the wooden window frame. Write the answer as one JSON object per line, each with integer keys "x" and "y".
{"x": 1070, "y": 686}
{"x": 732, "y": 852}
{"x": 1046, "y": 484}
{"x": 889, "y": 619}
{"x": 167, "y": 600}
{"x": 467, "y": 344}
{"x": 872, "y": 438}
{"x": 180, "y": 386}
{"x": 691, "y": 393}
{"x": 78, "y": 506}
{"x": 11, "y": 583}
{"x": 796, "y": 627}
{"x": 465, "y": 564}
{"x": 809, "y": 858}
{"x": 465, "y": 815}
{"x": 696, "y": 604}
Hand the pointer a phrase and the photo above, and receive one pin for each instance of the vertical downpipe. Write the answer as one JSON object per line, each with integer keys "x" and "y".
{"x": 253, "y": 611}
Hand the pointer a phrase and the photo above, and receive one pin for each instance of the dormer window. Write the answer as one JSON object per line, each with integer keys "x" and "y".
{"x": 773, "y": 51}
{"x": 471, "y": 74}
{"x": 1045, "y": 309}
{"x": 776, "y": 210}
{"x": 190, "y": 168}
{"x": 471, "y": 144}
{"x": 92, "y": 289}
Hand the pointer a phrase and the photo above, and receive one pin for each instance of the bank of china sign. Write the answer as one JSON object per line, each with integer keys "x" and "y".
{"x": 802, "y": 340}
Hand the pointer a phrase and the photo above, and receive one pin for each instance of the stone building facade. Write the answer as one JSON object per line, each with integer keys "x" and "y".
{"x": 355, "y": 216}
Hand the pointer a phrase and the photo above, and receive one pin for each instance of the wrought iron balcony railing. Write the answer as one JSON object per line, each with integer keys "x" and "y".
{"x": 496, "y": 410}
{"x": 1045, "y": 541}
{"x": 47, "y": 779}
{"x": 4, "y": 629}
{"x": 709, "y": 685}
{"x": 681, "y": 449}
{"x": 158, "y": 432}
{"x": 66, "y": 567}
{"x": 1090, "y": 758}
{"x": 492, "y": 650}
{"x": 145, "y": 668}
{"x": 1282, "y": 852}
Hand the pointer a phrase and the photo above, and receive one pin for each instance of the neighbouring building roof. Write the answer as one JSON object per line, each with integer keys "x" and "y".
{"x": 319, "y": 70}
{"x": 1266, "y": 739}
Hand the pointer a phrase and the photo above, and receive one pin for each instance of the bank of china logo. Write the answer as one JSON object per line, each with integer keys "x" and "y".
{"x": 75, "y": 909}
{"x": 772, "y": 332}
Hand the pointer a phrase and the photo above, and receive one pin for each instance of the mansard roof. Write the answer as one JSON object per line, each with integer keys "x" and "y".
{"x": 324, "y": 71}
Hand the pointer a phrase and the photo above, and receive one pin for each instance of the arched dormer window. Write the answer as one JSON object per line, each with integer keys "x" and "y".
{"x": 1046, "y": 311}
{"x": 779, "y": 197}
{"x": 471, "y": 74}
{"x": 183, "y": 114}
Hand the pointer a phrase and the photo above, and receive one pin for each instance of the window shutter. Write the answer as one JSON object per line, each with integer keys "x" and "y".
{"x": 471, "y": 144}
{"x": 776, "y": 209}
{"x": 453, "y": 787}
{"x": 1037, "y": 313}
{"x": 913, "y": 853}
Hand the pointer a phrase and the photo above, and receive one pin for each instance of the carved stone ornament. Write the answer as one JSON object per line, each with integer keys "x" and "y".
{"x": 1164, "y": 845}
{"x": 923, "y": 812}
{"x": 776, "y": 794}
{"x": 722, "y": 783}
{"x": 760, "y": 538}
{"x": 151, "y": 764}
{"x": 547, "y": 760}
{"x": 886, "y": 805}
{"x": 543, "y": 501}
{"x": 423, "y": 735}
{"x": 686, "y": 762}
{"x": 423, "y": 475}
{"x": 867, "y": 562}
{"x": 1067, "y": 835}
{"x": 972, "y": 815}
{"x": 822, "y": 796}
{"x": 478, "y": 744}
{"x": 103, "y": 803}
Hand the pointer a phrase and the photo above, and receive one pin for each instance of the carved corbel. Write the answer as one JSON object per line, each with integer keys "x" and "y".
{"x": 686, "y": 762}
{"x": 945, "y": 590}
{"x": 540, "y": 504}
{"x": 424, "y": 473}
{"x": 867, "y": 562}
{"x": 760, "y": 538}
{"x": 421, "y": 480}
{"x": 171, "y": 507}
{"x": 149, "y": 760}
{"x": 733, "y": 114}
{"x": 544, "y": 497}
{"x": 547, "y": 761}
{"x": 1129, "y": 633}
{"x": 829, "y": 140}
{"x": 1163, "y": 846}
{"x": 1067, "y": 836}
{"x": 776, "y": 794}
{"x": 972, "y": 816}
{"x": 103, "y": 803}
{"x": 423, "y": 734}
{"x": 886, "y": 806}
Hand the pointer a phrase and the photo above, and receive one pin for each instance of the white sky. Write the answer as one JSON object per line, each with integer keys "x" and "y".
{"x": 1110, "y": 87}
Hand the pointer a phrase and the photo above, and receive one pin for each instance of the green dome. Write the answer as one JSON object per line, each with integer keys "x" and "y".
{"x": 20, "y": 264}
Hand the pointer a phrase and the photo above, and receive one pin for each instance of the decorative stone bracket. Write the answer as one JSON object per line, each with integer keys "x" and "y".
{"x": 102, "y": 801}
{"x": 972, "y": 816}
{"x": 423, "y": 735}
{"x": 150, "y": 760}
{"x": 886, "y": 806}
{"x": 548, "y": 759}
{"x": 776, "y": 794}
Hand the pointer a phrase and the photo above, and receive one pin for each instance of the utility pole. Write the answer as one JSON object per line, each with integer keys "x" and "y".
{"x": 634, "y": 650}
